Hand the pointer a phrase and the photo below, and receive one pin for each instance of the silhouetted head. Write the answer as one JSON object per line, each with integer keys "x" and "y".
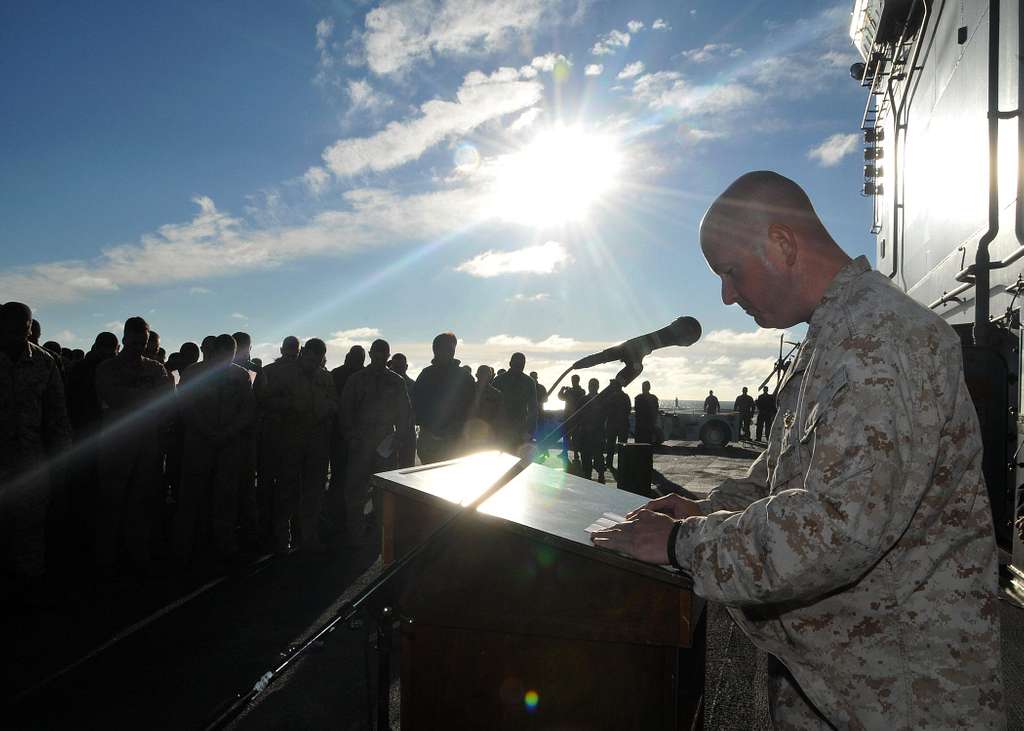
{"x": 764, "y": 389}
{"x": 224, "y": 348}
{"x": 243, "y": 345}
{"x": 517, "y": 363}
{"x": 645, "y": 386}
{"x": 533, "y": 375}
{"x": 105, "y": 344}
{"x": 764, "y": 240}
{"x": 258, "y": 362}
{"x": 444, "y": 347}
{"x": 711, "y": 393}
{"x": 54, "y": 347}
{"x": 15, "y": 326}
{"x": 77, "y": 354}
{"x": 290, "y": 347}
{"x": 152, "y": 345}
{"x": 189, "y": 354}
{"x": 744, "y": 390}
{"x": 65, "y": 353}
{"x": 36, "y": 332}
{"x": 208, "y": 345}
{"x": 161, "y": 355}
{"x": 592, "y": 385}
{"x": 136, "y": 335}
{"x": 575, "y": 379}
{"x": 313, "y": 354}
{"x": 380, "y": 351}
{"x": 399, "y": 363}
{"x": 174, "y": 362}
{"x": 355, "y": 358}
{"x": 502, "y": 371}
{"x": 484, "y": 374}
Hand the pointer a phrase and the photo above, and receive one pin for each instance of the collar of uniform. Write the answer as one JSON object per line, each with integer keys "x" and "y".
{"x": 839, "y": 284}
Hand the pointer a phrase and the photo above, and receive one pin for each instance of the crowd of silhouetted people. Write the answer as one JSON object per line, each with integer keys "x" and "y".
{"x": 127, "y": 460}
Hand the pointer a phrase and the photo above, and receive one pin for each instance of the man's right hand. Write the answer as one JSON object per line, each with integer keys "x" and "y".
{"x": 674, "y": 505}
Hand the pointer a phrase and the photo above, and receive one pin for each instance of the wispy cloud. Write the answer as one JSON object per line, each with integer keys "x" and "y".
{"x": 316, "y": 180}
{"x": 239, "y": 316}
{"x": 345, "y": 339}
{"x": 634, "y": 69}
{"x": 198, "y": 290}
{"x": 400, "y": 34}
{"x": 610, "y": 42}
{"x": 480, "y": 99}
{"x": 539, "y": 297}
{"x": 325, "y": 75}
{"x": 660, "y": 24}
{"x": 830, "y": 152}
{"x": 712, "y": 51}
{"x": 544, "y": 258}
{"x": 635, "y": 26}
{"x": 593, "y": 69}
{"x": 668, "y": 90}
{"x": 553, "y": 343}
{"x": 364, "y": 97}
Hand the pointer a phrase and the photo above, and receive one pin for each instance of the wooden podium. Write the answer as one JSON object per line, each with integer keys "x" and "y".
{"x": 518, "y": 622}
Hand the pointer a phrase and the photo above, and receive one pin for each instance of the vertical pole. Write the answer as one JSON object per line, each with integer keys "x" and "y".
{"x": 384, "y": 669}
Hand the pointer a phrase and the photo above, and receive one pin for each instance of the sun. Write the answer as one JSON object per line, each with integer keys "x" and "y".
{"x": 557, "y": 178}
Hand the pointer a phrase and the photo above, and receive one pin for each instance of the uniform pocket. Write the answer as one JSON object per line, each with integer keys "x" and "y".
{"x": 822, "y": 403}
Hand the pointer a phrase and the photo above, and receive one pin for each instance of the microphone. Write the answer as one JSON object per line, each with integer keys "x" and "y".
{"x": 683, "y": 331}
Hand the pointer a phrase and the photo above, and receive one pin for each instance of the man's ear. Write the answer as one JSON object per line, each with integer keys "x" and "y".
{"x": 784, "y": 238}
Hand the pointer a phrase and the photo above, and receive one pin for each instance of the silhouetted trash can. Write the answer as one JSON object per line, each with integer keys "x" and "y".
{"x": 636, "y": 463}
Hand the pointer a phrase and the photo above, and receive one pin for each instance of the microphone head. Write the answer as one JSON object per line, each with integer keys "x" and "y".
{"x": 683, "y": 331}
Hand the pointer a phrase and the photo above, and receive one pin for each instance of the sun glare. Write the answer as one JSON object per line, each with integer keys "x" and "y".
{"x": 557, "y": 178}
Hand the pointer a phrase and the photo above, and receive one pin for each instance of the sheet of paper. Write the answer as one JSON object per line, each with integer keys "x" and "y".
{"x": 607, "y": 520}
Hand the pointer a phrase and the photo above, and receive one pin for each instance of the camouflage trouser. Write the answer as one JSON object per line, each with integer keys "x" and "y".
{"x": 23, "y": 499}
{"x": 207, "y": 506}
{"x": 299, "y": 492}
{"x": 129, "y": 489}
{"x": 363, "y": 461}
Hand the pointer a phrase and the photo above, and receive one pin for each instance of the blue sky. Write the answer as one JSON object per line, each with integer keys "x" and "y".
{"x": 527, "y": 174}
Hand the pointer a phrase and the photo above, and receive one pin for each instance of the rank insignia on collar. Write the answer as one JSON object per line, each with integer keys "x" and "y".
{"x": 787, "y": 419}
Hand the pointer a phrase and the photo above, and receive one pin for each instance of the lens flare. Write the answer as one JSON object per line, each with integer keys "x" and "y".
{"x": 531, "y": 699}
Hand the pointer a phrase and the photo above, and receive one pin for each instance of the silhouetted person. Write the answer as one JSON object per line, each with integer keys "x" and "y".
{"x": 189, "y": 354}
{"x": 34, "y": 429}
{"x": 216, "y": 406}
{"x": 765, "y": 412}
{"x": 86, "y": 422}
{"x": 300, "y": 397}
{"x": 207, "y": 346}
{"x": 519, "y": 404}
{"x": 375, "y": 414}
{"x": 133, "y": 390}
{"x": 354, "y": 361}
{"x": 711, "y": 405}
{"x": 249, "y": 459}
{"x": 441, "y": 400}
{"x": 407, "y": 453}
{"x": 35, "y": 333}
{"x": 572, "y": 396}
{"x": 616, "y": 425}
{"x": 481, "y": 431}
{"x": 152, "y": 350}
{"x": 645, "y": 407}
{"x": 590, "y": 434}
{"x": 744, "y": 404}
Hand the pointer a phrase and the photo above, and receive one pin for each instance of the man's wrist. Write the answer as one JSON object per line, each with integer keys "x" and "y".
{"x": 672, "y": 536}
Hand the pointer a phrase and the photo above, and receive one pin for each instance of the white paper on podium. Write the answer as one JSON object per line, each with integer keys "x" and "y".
{"x": 607, "y": 520}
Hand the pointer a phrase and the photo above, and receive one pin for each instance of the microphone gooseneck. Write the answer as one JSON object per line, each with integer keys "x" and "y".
{"x": 683, "y": 331}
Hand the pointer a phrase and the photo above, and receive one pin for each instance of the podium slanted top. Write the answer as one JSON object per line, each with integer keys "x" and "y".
{"x": 547, "y": 505}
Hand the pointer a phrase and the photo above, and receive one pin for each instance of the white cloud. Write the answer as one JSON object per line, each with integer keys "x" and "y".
{"x": 660, "y": 24}
{"x": 834, "y": 149}
{"x": 316, "y": 179}
{"x": 400, "y": 34}
{"x": 610, "y": 42}
{"x": 634, "y": 69}
{"x": 711, "y": 51}
{"x": 365, "y": 98}
{"x": 114, "y": 326}
{"x": 238, "y": 316}
{"x": 525, "y": 120}
{"x": 539, "y": 297}
{"x": 481, "y": 98}
{"x": 668, "y": 90}
{"x": 593, "y": 69}
{"x": 90, "y": 282}
{"x": 345, "y": 339}
{"x": 695, "y": 135}
{"x": 635, "y": 26}
{"x": 733, "y": 339}
{"x": 548, "y": 61}
{"x": 66, "y": 338}
{"x": 544, "y": 258}
{"x": 552, "y": 343}
{"x": 326, "y": 62}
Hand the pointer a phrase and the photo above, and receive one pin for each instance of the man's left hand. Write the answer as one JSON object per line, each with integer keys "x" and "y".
{"x": 645, "y": 537}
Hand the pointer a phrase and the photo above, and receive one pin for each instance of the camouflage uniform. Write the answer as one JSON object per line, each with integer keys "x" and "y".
{"x": 299, "y": 405}
{"x": 135, "y": 396}
{"x": 217, "y": 410}
{"x": 374, "y": 405}
{"x": 519, "y": 408}
{"x": 33, "y": 428}
{"x": 864, "y": 559}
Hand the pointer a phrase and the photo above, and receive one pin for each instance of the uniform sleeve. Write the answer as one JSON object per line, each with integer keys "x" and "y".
{"x": 347, "y": 407}
{"x": 56, "y": 427}
{"x": 738, "y": 494}
{"x": 872, "y": 437}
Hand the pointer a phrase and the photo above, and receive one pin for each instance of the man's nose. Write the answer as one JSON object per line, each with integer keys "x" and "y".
{"x": 728, "y": 292}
